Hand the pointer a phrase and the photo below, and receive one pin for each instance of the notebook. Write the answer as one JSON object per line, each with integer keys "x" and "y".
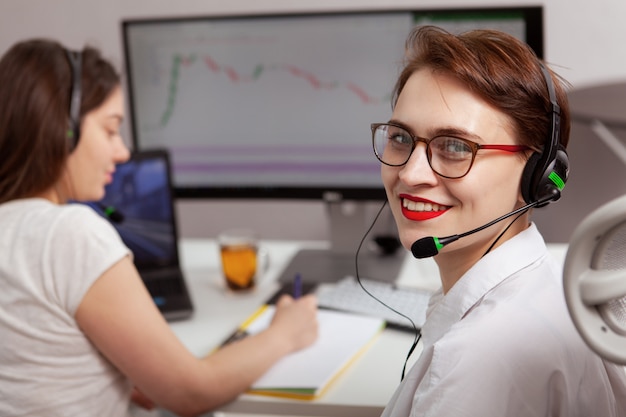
{"x": 139, "y": 203}
{"x": 306, "y": 374}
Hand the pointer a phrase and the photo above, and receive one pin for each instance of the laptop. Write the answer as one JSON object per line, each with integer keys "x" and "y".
{"x": 139, "y": 204}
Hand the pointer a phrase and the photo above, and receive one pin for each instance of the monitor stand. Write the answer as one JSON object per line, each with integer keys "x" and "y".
{"x": 347, "y": 225}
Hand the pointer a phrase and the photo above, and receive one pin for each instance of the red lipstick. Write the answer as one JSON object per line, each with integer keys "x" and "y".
{"x": 420, "y": 215}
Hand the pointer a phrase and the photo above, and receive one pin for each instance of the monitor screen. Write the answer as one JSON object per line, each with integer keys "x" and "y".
{"x": 279, "y": 106}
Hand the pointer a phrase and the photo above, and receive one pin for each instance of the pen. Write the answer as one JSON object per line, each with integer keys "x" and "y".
{"x": 297, "y": 286}
{"x": 238, "y": 335}
{"x": 242, "y": 331}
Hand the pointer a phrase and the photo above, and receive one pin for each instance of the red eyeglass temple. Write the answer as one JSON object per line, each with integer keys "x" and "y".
{"x": 506, "y": 148}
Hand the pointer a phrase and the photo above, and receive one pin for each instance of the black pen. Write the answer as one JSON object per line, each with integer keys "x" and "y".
{"x": 238, "y": 335}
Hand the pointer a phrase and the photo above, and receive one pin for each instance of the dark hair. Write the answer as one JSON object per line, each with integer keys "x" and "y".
{"x": 35, "y": 88}
{"x": 502, "y": 70}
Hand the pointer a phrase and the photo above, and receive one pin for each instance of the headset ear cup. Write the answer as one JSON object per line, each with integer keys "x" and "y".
{"x": 553, "y": 179}
{"x": 539, "y": 185}
{"x": 73, "y": 133}
{"x": 528, "y": 188}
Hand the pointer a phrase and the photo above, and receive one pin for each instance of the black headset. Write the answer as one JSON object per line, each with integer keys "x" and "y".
{"x": 546, "y": 172}
{"x": 73, "y": 132}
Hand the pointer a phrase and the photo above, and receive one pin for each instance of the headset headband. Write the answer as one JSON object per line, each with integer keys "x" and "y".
{"x": 75, "y": 60}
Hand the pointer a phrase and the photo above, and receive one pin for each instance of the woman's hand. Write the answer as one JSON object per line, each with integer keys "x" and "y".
{"x": 296, "y": 320}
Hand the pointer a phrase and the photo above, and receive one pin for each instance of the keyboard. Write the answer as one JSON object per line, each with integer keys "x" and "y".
{"x": 348, "y": 295}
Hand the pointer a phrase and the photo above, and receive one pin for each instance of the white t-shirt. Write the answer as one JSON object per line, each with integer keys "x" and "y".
{"x": 501, "y": 343}
{"x": 50, "y": 255}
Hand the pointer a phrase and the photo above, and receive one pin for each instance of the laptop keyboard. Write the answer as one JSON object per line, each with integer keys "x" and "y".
{"x": 164, "y": 287}
{"x": 348, "y": 295}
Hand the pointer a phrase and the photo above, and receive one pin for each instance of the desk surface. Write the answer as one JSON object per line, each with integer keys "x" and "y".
{"x": 362, "y": 389}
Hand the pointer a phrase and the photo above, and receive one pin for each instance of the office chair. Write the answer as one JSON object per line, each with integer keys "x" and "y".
{"x": 594, "y": 280}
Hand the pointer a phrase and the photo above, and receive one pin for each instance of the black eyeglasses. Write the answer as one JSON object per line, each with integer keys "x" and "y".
{"x": 448, "y": 156}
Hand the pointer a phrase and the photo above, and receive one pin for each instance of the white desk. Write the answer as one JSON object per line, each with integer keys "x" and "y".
{"x": 361, "y": 390}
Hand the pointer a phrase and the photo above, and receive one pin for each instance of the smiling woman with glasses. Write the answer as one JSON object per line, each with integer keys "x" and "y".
{"x": 476, "y": 141}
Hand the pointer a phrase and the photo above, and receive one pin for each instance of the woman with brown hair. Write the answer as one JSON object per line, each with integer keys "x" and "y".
{"x": 78, "y": 327}
{"x": 476, "y": 141}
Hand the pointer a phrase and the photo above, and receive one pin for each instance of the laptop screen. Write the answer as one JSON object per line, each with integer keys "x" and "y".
{"x": 139, "y": 205}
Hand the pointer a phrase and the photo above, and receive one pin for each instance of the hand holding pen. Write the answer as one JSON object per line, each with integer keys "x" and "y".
{"x": 297, "y": 315}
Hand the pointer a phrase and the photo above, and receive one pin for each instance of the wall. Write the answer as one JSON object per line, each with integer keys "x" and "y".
{"x": 581, "y": 44}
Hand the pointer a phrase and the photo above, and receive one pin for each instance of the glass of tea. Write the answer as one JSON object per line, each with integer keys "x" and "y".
{"x": 241, "y": 260}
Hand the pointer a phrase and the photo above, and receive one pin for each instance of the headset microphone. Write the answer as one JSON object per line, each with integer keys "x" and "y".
{"x": 430, "y": 245}
{"x": 111, "y": 213}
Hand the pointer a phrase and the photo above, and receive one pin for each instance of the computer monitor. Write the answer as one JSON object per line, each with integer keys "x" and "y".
{"x": 279, "y": 106}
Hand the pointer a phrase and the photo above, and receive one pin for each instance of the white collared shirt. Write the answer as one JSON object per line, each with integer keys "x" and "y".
{"x": 501, "y": 343}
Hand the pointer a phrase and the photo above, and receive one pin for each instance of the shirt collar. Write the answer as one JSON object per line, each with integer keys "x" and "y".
{"x": 513, "y": 255}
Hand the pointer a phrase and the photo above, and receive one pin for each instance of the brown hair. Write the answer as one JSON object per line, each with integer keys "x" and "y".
{"x": 502, "y": 70}
{"x": 36, "y": 83}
